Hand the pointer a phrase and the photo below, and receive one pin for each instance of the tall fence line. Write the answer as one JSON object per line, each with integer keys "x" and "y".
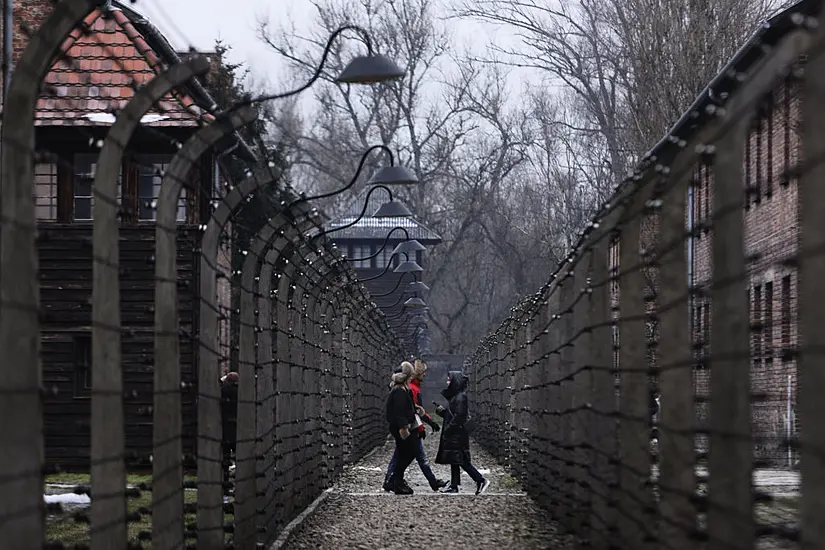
{"x": 564, "y": 389}
{"x": 312, "y": 350}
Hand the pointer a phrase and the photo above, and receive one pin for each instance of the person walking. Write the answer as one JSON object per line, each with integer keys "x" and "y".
{"x": 401, "y": 418}
{"x": 229, "y": 423}
{"x": 454, "y": 446}
{"x": 420, "y": 433}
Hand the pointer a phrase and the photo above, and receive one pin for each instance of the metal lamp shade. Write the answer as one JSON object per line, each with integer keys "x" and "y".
{"x": 408, "y": 247}
{"x": 393, "y": 175}
{"x": 415, "y": 303}
{"x": 370, "y": 69}
{"x": 417, "y": 286}
{"x": 392, "y": 209}
{"x": 408, "y": 266}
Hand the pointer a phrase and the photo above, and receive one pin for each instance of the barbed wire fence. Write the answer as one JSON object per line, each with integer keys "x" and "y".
{"x": 733, "y": 457}
{"x": 152, "y": 325}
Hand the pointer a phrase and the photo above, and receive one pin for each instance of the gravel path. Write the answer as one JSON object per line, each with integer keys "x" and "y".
{"x": 358, "y": 514}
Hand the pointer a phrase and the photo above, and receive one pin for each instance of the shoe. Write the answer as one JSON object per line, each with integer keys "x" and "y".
{"x": 439, "y": 484}
{"x": 450, "y": 490}
{"x": 387, "y": 486}
{"x": 482, "y": 486}
{"x": 401, "y": 488}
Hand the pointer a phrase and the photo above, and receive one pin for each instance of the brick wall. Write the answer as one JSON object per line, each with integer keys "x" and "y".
{"x": 29, "y": 15}
{"x": 771, "y": 217}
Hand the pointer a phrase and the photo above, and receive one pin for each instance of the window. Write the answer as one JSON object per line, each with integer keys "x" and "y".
{"x": 696, "y": 185}
{"x": 756, "y": 322}
{"x": 45, "y": 191}
{"x": 385, "y": 257}
{"x": 758, "y": 179}
{"x": 786, "y": 127}
{"x": 82, "y": 358}
{"x": 361, "y": 251}
{"x": 786, "y": 312}
{"x": 749, "y": 187}
{"x": 769, "y": 148}
{"x": 150, "y": 176}
{"x": 85, "y": 168}
{"x": 84, "y": 175}
{"x": 767, "y": 325}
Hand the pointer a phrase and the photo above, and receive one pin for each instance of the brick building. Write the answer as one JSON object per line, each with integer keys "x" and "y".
{"x": 772, "y": 153}
{"x": 771, "y": 214}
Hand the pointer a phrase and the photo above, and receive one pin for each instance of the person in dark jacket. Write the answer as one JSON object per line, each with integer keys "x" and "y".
{"x": 454, "y": 447}
{"x": 229, "y": 422}
{"x": 419, "y": 370}
{"x": 401, "y": 419}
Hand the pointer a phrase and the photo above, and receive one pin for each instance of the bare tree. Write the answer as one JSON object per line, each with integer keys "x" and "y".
{"x": 451, "y": 127}
{"x": 633, "y": 74}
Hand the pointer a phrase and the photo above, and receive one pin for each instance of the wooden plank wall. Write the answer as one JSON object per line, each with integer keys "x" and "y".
{"x": 65, "y": 292}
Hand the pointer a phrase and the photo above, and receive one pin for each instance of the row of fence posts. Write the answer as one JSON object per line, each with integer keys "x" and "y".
{"x": 312, "y": 347}
{"x": 562, "y": 387}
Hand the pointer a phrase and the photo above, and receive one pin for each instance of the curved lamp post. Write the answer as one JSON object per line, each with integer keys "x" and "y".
{"x": 372, "y": 68}
{"x": 391, "y": 209}
{"x": 388, "y": 175}
{"x": 407, "y": 266}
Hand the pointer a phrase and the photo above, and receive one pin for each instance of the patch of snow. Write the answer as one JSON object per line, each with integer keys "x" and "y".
{"x": 68, "y": 498}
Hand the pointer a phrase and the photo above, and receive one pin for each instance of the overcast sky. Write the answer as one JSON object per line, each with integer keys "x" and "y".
{"x": 199, "y": 22}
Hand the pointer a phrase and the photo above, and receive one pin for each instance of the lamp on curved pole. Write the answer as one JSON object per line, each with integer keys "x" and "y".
{"x": 407, "y": 266}
{"x": 402, "y": 296}
{"x": 391, "y": 209}
{"x": 391, "y": 178}
{"x": 365, "y": 69}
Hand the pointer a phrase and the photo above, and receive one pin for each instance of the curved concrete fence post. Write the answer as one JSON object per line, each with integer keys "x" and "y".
{"x": 286, "y": 413}
{"x": 277, "y": 230}
{"x": 108, "y": 430}
{"x": 22, "y": 452}
{"x": 246, "y": 468}
{"x": 298, "y": 378}
{"x": 210, "y": 496}
{"x": 265, "y": 391}
{"x": 259, "y": 179}
{"x": 314, "y": 363}
{"x": 276, "y": 407}
{"x": 319, "y": 306}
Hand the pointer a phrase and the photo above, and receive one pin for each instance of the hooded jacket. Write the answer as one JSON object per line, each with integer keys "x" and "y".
{"x": 400, "y": 407}
{"x": 454, "y": 446}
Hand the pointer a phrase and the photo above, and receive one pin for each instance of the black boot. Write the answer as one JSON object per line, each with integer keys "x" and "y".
{"x": 438, "y": 484}
{"x": 400, "y": 487}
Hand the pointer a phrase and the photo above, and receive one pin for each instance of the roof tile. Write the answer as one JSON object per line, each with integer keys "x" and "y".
{"x": 98, "y": 71}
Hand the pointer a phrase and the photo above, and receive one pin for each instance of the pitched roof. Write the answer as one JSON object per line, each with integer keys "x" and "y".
{"x": 97, "y": 73}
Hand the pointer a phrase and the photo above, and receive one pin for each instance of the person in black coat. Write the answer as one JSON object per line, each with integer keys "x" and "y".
{"x": 454, "y": 446}
{"x": 402, "y": 421}
{"x": 229, "y": 422}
